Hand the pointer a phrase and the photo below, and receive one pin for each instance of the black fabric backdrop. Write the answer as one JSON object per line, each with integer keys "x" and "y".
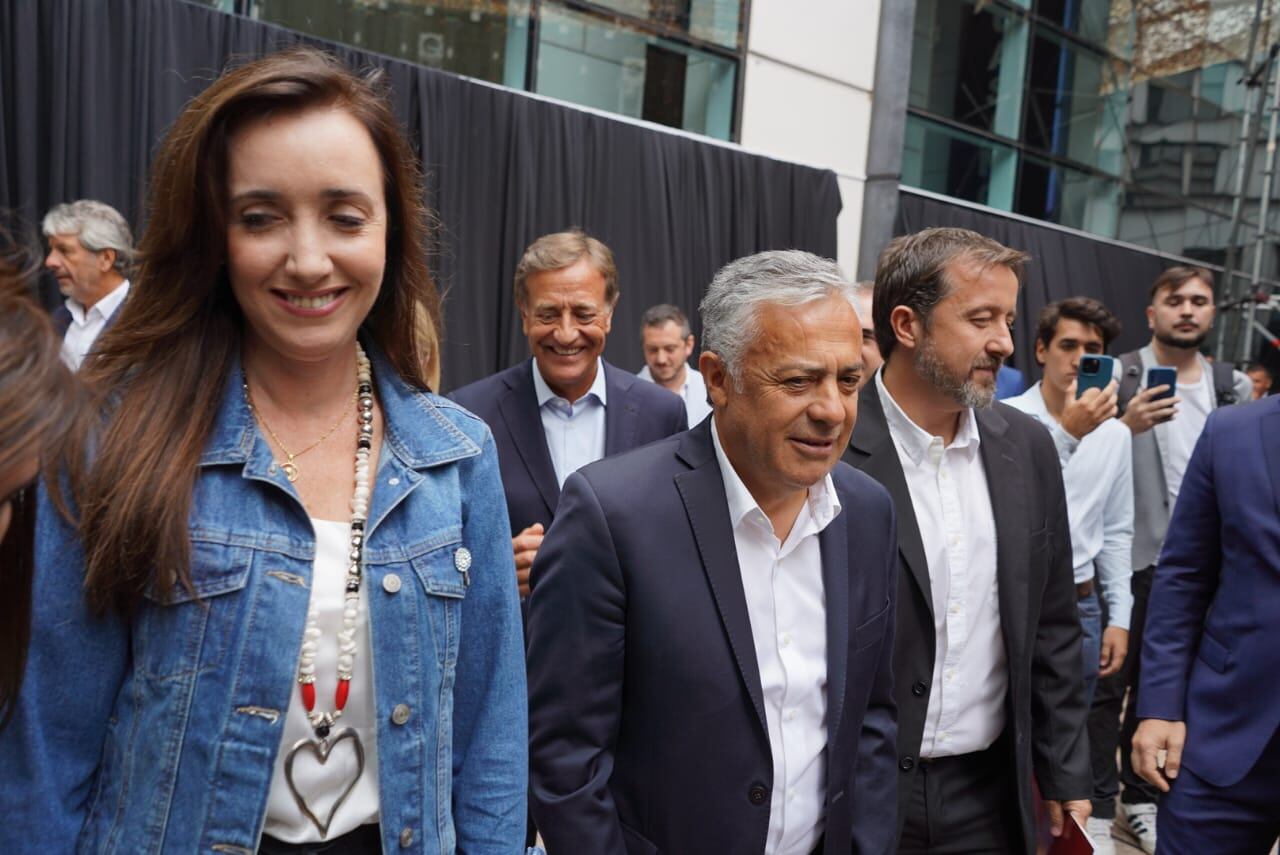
{"x": 1063, "y": 264}
{"x": 88, "y": 87}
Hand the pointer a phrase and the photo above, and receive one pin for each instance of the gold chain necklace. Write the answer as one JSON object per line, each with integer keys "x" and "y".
{"x": 289, "y": 466}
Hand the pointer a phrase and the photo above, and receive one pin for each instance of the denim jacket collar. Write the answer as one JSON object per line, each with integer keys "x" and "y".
{"x": 433, "y": 441}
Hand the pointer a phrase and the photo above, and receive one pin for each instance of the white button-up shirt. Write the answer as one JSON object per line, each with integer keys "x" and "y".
{"x": 949, "y": 495}
{"x": 694, "y": 393}
{"x": 575, "y": 430}
{"x": 786, "y": 604}
{"x": 1098, "y": 479}
{"x": 86, "y": 326}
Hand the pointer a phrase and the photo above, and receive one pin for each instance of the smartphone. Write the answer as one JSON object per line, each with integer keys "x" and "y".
{"x": 1161, "y": 376}
{"x": 1096, "y": 371}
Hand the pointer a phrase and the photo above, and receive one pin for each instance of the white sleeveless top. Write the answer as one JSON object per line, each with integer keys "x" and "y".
{"x": 323, "y": 784}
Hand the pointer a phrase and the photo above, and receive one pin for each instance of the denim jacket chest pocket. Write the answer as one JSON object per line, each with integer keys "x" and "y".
{"x": 443, "y": 571}
{"x": 187, "y": 632}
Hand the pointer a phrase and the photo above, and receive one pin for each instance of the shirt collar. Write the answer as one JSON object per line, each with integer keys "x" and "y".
{"x": 690, "y": 373}
{"x": 598, "y": 387}
{"x": 915, "y": 440}
{"x": 1033, "y": 401}
{"x": 104, "y": 308}
{"x": 822, "y": 499}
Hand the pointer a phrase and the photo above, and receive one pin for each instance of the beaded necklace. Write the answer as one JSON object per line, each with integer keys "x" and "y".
{"x": 322, "y": 722}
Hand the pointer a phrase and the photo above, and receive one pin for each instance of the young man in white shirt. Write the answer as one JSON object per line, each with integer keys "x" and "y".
{"x": 1097, "y": 472}
{"x": 90, "y": 249}
{"x": 668, "y": 343}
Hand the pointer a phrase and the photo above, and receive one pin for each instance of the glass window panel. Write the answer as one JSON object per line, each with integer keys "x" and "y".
{"x": 1090, "y": 19}
{"x": 1068, "y": 197}
{"x": 487, "y": 40}
{"x": 600, "y": 63}
{"x": 948, "y": 161}
{"x": 718, "y": 21}
{"x": 968, "y": 65}
{"x": 1075, "y": 104}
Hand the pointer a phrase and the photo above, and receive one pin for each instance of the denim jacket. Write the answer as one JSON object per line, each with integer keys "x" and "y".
{"x": 158, "y": 733}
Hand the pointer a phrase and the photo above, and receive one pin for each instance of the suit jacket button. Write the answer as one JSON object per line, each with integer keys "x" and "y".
{"x": 919, "y": 688}
{"x": 907, "y": 764}
{"x": 758, "y": 795}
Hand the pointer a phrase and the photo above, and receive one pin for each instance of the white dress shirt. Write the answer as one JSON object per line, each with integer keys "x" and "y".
{"x": 575, "y": 430}
{"x": 786, "y": 604}
{"x": 86, "y": 326}
{"x": 694, "y": 393}
{"x": 948, "y": 488}
{"x": 323, "y": 784}
{"x": 1099, "y": 482}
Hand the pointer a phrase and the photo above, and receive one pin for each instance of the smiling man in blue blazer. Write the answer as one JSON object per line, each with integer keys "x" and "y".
{"x": 1209, "y": 695}
{"x": 566, "y": 407}
{"x": 711, "y": 625}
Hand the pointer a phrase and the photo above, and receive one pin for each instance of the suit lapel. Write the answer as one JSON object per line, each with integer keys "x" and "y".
{"x": 620, "y": 413}
{"x": 835, "y": 546}
{"x": 702, "y": 491}
{"x": 871, "y": 449}
{"x": 524, "y": 422}
{"x": 61, "y": 320}
{"x": 1270, "y": 439}
{"x": 1007, "y": 487}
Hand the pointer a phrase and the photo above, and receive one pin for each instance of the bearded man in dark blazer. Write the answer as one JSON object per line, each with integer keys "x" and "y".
{"x": 711, "y": 623}
{"x": 987, "y": 670}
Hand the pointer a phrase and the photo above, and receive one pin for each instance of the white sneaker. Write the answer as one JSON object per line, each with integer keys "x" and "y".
{"x": 1136, "y": 824}
{"x": 1099, "y": 830}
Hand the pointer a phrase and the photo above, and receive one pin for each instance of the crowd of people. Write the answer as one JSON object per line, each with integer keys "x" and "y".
{"x": 818, "y": 592}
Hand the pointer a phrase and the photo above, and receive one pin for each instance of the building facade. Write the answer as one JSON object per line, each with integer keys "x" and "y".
{"x": 788, "y": 78}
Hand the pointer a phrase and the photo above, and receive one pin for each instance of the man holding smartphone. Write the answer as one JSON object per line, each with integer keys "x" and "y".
{"x": 1165, "y": 423}
{"x": 1095, "y": 450}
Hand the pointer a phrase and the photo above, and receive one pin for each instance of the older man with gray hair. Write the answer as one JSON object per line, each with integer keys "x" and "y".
{"x": 90, "y": 250}
{"x": 711, "y": 626}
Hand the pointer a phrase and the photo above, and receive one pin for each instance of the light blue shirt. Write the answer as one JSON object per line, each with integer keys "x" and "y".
{"x": 1097, "y": 472}
{"x": 574, "y": 430}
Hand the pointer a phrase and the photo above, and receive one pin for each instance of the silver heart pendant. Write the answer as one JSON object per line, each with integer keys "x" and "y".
{"x": 321, "y": 751}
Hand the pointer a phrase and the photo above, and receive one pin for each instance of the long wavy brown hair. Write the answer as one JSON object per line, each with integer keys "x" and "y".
{"x": 162, "y": 368}
{"x": 38, "y": 405}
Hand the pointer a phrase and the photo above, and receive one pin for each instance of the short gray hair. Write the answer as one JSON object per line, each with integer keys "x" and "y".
{"x": 731, "y": 306}
{"x": 96, "y": 225}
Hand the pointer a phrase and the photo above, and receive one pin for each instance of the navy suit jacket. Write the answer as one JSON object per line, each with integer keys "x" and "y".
{"x": 637, "y": 413}
{"x": 1211, "y": 650}
{"x": 647, "y": 724}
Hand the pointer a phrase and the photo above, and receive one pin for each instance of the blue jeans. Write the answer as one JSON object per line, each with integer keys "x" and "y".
{"x": 1091, "y": 649}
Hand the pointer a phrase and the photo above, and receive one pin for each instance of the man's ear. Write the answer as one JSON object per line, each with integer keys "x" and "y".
{"x": 906, "y": 326}
{"x": 716, "y": 375}
{"x": 106, "y": 260}
{"x": 1040, "y": 351}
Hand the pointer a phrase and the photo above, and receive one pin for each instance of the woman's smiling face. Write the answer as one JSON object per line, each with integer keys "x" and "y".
{"x": 306, "y": 229}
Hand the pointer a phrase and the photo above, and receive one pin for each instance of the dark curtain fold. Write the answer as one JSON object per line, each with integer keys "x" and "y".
{"x": 88, "y": 88}
{"x": 1063, "y": 264}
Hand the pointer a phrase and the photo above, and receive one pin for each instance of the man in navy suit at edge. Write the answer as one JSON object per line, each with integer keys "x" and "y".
{"x": 1208, "y": 696}
{"x": 711, "y": 625}
{"x": 566, "y": 407}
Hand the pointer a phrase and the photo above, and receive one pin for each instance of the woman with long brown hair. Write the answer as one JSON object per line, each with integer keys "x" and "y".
{"x": 38, "y": 399}
{"x": 299, "y": 629}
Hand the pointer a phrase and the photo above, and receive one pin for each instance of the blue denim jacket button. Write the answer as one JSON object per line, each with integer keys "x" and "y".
{"x": 406, "y": 838}
{"x": 400, "y": 714}
{"x": 391, "y": 583}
